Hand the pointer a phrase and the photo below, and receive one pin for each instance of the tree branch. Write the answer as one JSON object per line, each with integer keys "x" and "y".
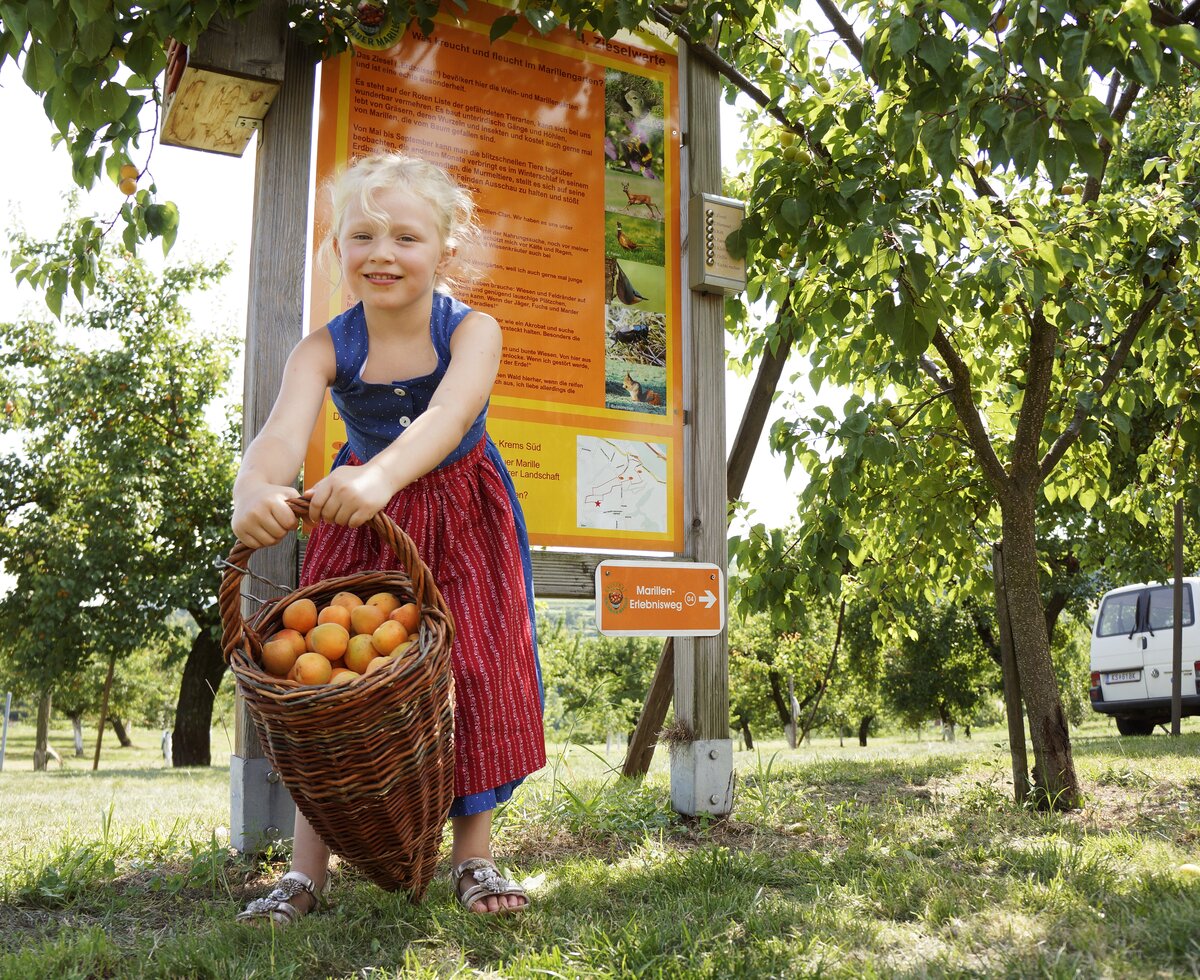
{"x": 931, "y": 369}
{"x": 1072, "y": 431}
{"x": 1091, "y": 187}
{"x": 964, "y": 407}
{"x": 843, "y": 29}
{"x": 731, "y": 74}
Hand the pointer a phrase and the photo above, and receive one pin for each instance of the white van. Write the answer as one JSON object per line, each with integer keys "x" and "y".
{"x": 1132, "y": 642}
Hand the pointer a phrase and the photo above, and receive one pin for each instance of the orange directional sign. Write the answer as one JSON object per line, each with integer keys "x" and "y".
{"x": 642, "y": 598}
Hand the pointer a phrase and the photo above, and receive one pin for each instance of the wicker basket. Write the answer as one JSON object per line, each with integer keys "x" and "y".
{"x": 369, "y": 764}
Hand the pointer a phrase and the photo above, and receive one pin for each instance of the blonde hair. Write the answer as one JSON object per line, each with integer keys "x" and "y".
{"x": 453, "y": 208}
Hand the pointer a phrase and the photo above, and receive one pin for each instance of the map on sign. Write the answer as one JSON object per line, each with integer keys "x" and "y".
{"x": 622, "y": 485}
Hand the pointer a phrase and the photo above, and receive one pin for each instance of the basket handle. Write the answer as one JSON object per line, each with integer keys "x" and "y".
{"x": 389, "y": 532}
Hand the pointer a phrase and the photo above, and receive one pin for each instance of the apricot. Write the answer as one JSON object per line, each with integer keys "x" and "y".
{"x": 404, "y": 648}
{"x": 385, "y": 601}
{"x": 279, "y": 656}
{"x": 408, "y": 616}
{"x": 335, "y": 614}
{"x": 389, "y": 636}
{"x": 376, "y": 664}
{"x": 294, "y": 637}
{"x": 366, "y": 619}
{"x": 360, "y": 652}
{"x": 127, "y": 185}
{"x": 329, "y": 640}
{"x": 347, "y": 599}
{"x": 341, "y": 675}
{"x": 311, "y": 668}
{"x": 300, "y": 615}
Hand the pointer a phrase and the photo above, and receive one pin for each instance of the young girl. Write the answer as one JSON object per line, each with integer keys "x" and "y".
{"x": 410, "y": 370}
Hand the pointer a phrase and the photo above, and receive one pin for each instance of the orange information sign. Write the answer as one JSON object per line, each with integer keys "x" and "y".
{"x": 642, "y": 598}
{"x": 570, "y": 146}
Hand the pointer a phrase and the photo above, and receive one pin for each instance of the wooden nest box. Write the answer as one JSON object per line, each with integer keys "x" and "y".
{"x": 217, "y": 92}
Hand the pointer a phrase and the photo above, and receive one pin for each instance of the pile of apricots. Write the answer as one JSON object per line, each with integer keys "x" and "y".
{"x": 343, "y": 641}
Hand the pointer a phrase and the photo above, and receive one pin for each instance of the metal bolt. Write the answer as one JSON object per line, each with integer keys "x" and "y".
{"x": 713, "y": 799}
{"x": 272, "y": 776}
{"x": 273, "y": 832}
{"x": 712, "y": 753}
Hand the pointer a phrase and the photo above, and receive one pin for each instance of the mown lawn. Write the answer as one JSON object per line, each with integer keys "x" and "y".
{"x": 902, "y": 859}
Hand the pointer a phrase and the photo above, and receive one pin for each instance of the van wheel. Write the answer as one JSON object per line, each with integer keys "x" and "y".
{"x": 1135, "y": 726}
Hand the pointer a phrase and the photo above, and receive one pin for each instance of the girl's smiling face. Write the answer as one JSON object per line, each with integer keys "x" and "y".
{"x": 390, "y": 255}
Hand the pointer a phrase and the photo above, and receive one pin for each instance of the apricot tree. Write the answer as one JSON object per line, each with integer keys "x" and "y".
{"x": 114, "y": 489}
{"x": 935, "y": 217}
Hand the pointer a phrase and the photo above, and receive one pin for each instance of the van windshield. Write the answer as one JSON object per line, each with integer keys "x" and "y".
{"x": 1162, "y": 608}
{"x": 1118, "y": 614}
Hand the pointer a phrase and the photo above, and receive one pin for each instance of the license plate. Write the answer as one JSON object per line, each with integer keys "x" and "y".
{"x": 1124, "y": 676}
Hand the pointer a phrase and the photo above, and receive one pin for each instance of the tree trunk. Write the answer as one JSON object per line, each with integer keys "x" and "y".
{"x": 201, "y": 677}
{"x": 778, "y": 698}
{"x": 1055, "y": 782}
{"x": 122, "y": 734}
{"x": 77, "y": 732}
{"x": 1054, "y": 607}
{"x": 41, "y": 742}
{"x": 747, "y": 737}
{"x": 112, "y": 666}
{"x": 864, "y": 726}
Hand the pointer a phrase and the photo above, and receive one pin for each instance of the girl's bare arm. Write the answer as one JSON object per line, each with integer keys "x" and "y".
{"x": 266, "y": 479}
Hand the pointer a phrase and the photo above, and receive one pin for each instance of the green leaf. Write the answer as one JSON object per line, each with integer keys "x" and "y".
{"x": 144, "y": 56}
{"x": 40, "y": 72}
{"x": 543, "y": 20}
{"x": 941, "y": 142}
{"x": 791, "y": 214}
{"x": 936, "y": 51}
{"x": 95, "y": 37}
{"x": 904, "y": 35}
{"x": 502, "y": 25}
{"x": 41, "y": 16}
{"x": 1146, "y": 59}
{"x": 1185, "y": 39}
{"x": 1083, "y": 138}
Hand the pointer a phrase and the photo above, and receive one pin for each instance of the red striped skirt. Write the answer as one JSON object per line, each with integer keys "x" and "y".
{"x": 461, "y": 520}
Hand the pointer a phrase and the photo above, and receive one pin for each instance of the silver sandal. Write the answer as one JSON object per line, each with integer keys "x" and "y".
{"x": 488, "y": 881}
{"x": 277, "y": 905}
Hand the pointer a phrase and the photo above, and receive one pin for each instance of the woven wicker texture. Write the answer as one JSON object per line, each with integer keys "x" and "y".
{"x": 369, "y": 764}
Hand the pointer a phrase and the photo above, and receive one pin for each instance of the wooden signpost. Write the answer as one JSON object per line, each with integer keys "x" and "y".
{"x": 701, "y": 765}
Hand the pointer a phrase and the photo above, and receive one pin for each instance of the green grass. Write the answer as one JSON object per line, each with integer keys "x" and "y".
{"x": 905, "y": 858}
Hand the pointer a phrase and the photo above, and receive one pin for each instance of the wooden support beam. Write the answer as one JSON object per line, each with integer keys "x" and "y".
{"x": 702, "y": 766}
{"x": 754, "y": 416}
{"x": 564, "y": 575}
{"x": 261, "y": 807}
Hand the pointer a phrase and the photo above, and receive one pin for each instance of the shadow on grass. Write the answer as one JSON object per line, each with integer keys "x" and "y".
{"x": 828, "y": 868}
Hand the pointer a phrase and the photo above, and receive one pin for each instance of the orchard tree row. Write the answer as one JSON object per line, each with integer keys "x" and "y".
{"x": 115, "y": 498}
{"x": 940, "y": 664}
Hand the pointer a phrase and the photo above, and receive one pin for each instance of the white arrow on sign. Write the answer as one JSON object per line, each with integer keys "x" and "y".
{"x": 708, "y": 598}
